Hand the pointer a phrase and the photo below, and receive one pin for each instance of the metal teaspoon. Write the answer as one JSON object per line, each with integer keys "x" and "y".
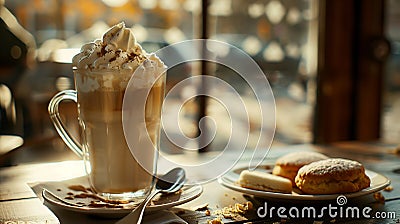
{"x": 168, "y": 183}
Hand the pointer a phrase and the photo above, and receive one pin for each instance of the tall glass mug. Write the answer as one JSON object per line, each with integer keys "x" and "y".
{"x": 112, "y": 169}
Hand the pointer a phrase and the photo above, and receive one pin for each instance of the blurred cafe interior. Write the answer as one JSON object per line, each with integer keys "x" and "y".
{"x": 333, "y": 66}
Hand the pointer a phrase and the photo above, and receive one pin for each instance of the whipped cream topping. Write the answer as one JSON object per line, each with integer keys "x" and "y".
{"x": 147, "y": 73}
{"x": 119, "y": 51}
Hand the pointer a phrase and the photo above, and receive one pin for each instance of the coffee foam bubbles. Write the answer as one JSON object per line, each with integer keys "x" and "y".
{"x": 101, "y": 80}
{"x": 144, "y": 76}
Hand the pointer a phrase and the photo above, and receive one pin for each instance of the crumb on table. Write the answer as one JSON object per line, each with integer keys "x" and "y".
{"x": 215, "y": 221}
{"x": 234, "y": 212}
{"x": 379, "y": 197}
{"x": 201, "y": 207}
{"x": 388, "y": 188}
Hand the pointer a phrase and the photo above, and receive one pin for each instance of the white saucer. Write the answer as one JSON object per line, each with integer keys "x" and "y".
{"x": 187, "y": 194}
{"x": 9, "y": 142}
{"x": 378, "y": 182}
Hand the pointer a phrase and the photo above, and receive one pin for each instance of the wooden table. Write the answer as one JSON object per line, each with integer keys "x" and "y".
{"x": 19, "y": 204}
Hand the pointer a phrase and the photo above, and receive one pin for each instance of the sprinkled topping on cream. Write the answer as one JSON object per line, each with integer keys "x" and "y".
{"x": 119, "y": 53}
{"x": 117, "y": 49}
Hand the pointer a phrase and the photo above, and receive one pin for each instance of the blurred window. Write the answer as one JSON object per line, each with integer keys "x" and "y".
{"x": 280, "y": 35}
{"x": 391, "y": 95}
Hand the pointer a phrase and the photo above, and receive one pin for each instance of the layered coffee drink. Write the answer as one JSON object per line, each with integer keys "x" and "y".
{"x": 102, "y": 72}
{"x": 112, "y": 165}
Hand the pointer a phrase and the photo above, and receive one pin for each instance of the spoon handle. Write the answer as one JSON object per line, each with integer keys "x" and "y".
{"x": 136, "y": 215}
{"x": 142, "y": 206}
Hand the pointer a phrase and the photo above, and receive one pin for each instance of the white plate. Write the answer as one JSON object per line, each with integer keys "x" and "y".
{"x": 378, "y": 182}
{"x": 188, "y": 193}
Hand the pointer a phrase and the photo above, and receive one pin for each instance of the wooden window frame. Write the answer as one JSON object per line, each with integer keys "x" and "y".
{"x": 350, "y": 74}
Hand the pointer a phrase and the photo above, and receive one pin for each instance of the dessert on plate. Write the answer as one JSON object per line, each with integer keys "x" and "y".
{"x": 288, "y": 165}
{"x": 332, "y": 176}
{"x": 263, "y": 181}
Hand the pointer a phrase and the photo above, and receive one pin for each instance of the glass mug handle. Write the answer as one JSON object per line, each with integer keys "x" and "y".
{"x": 59, "y": 125}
